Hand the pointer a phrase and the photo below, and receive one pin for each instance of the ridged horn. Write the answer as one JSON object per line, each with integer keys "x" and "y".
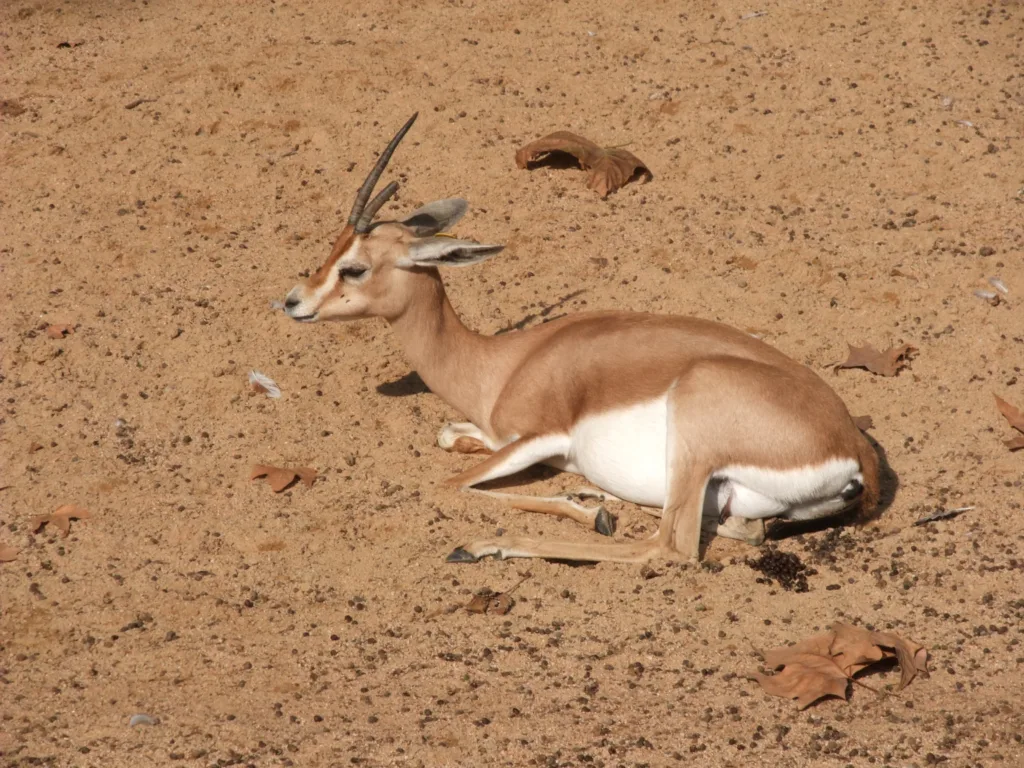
{"x": 366, "y": 190}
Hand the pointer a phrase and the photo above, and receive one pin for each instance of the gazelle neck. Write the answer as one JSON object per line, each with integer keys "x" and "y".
{"x": 460, "y": 366}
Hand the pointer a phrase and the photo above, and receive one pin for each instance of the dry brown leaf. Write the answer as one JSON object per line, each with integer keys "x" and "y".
{"x": 811, "y": 666}
{"x": 478, "y": 604}
{"x": 887, "y": 363}
{"x": 807, "y": 677}
{"x": 60, "y": 517}
{"x": 279, "y": 478}
{"x": 501, "y": 603}
{"x": 1016, "y": 420}
{"x": 8, "y": 553}
{"x": 853, "y": 648}
{"x": 863, "y": 423}
{"x": 498, "y": 603}
{"x": 609, "y": 168}
{"x": 59, "y": 330}
{"x": 912, "y": 657}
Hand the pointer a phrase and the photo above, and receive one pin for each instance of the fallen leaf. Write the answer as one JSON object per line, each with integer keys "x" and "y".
{"x": 59, "y": 330}
{"x": 498, "y": 603}
{"x": 610, "y": 168}
{"x": 807, "y": 677}
{"x": 1016, "y": 420}
{"x": 478, "y": 604}
{"x": 912, "y": 657}
{"x": 853, "y": 648}
{"x": 60, "y": 517}
{"x": 887, "y": 363}
{"x": 260, "y": 382}
{"x": 8, "y": 553}
{"x": 820, "y": 665}
{"x": 501, "y": 603}
{"x": 279, "y": 478}
{"x": 863, "y": 423}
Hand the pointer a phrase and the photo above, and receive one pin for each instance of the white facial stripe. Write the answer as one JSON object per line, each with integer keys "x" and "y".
{"x": 350, "y": 259}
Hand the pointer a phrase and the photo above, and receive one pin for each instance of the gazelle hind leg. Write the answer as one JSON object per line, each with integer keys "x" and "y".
{"x": 597, "y": 518}
{"x": 522, "y": 546}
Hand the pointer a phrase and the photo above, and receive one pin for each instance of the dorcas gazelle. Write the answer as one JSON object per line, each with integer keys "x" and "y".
{"x": 692, "y": 417}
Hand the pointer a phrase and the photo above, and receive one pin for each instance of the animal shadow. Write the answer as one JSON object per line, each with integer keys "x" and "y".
{"x": 409, "y": 384}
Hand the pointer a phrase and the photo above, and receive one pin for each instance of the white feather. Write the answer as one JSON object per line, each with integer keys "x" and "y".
{"x": 998, "y": 284}
{"x": 261, "y": 381}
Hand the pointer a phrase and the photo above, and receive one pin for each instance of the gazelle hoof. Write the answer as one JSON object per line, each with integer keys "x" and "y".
{"x": 459, "y": 555}
{"x": 604, "y": 523}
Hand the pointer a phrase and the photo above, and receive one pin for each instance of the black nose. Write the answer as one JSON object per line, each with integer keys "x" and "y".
{"x": 291, "y": 303}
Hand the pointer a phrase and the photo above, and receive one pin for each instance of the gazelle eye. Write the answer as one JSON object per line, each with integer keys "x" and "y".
{"x": 352, "y": 272}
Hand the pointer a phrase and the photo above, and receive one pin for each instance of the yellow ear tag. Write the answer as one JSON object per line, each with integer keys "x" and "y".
{"x": 446, "y": 234}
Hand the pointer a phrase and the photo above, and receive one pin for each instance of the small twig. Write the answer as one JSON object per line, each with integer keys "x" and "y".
{"x": 942, "y": 514}
{"x": 137, "y": 103}
{"x": 518, "y": 583}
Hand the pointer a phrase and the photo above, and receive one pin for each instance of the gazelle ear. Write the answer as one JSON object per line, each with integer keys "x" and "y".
{"x": 436, "y": 216}
{"x": 447, "y": 252}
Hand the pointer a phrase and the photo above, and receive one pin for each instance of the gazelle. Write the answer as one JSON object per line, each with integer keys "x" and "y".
{"x": 689, "y": 416}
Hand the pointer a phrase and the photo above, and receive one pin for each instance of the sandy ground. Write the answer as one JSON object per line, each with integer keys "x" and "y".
{"x": 823, "y": 174}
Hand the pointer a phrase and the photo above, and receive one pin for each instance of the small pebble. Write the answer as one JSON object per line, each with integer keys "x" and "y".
{"x": 141, "y": 720}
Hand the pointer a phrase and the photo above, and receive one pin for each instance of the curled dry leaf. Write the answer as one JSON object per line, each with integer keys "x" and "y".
{"x": 260, "y": 382}
{"x": 59, "y": 330}
{"x": 887, "y": 363}
{"x": 8, "y": 553}
{"x": 806, "y": 678}
{"x": 498, "y": 603}
{"x": 60, "y": 517}
{"x": 1016, "y": 420}
{"x": 813, "y": 667}
{"x": 610, "y": 168}
{"x": 279, "y": 478}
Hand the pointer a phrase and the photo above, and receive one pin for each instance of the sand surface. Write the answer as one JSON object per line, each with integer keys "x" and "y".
{"x": 824, "y": 174}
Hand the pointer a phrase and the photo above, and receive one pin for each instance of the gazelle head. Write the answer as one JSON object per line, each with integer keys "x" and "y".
{"x": 374, "y": 268}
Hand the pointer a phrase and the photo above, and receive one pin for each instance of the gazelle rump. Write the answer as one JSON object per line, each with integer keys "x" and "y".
{"x": 690, "y": 416}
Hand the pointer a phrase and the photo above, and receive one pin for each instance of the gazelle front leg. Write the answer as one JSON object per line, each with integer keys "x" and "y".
{"x": 464, "y": 437}
{"x": 517, "y": 456}
{"x": 597, "y": 517}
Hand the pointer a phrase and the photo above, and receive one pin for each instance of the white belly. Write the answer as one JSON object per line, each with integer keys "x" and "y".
{"x": 623, "y": 451}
